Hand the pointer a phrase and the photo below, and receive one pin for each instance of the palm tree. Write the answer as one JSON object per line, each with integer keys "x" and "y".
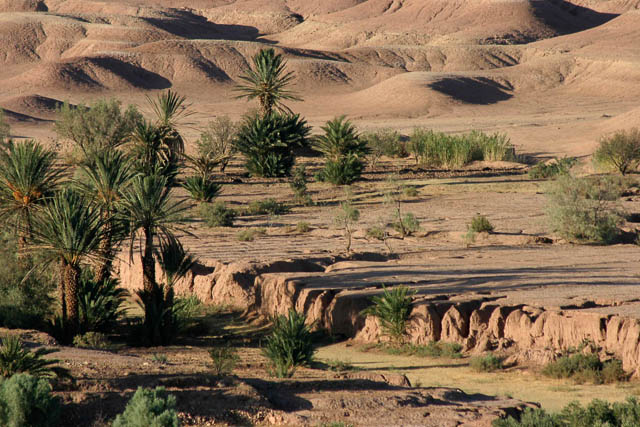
{"x": 27, "y": 177}
{"x": 151, "y": 212}
{"x": 267, "y": 81}
{"x": 67, "y": 230}
{"x": 170, "y": 110}
{"x": 153, "y": 151}
{"x": 340, "y": 139}
{"x": 103, "y": 178}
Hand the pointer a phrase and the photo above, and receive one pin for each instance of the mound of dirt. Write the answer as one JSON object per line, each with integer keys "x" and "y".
{"x": 22, "y": 6}
{"x": 33, "y": 104}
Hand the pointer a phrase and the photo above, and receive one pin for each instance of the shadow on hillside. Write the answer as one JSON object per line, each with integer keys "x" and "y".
{"x": 472, "y": 90}
{"x": 566, "y": 17}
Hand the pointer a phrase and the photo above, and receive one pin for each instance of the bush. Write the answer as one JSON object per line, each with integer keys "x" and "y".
{"x": 289, "y": 345}
{"x": 223, "y": 359}
{"x": 585, "y": 368}
{"x": 392, "y": 310}
{"x": 201, "y": 189}
{"x": 437, "y": 149}
{"x": 410, "y": 191}
{"x": 27, "y": 401}
{"x": 101, "y": 304}
{"x": 480, "y": 224}
{"x": 620, "y": 151}
{"x": 303, "y": 227}
{"x": 149, "y": 408}
{"x": 449, "y": 350}
{"x": 268, "y": 143}
{"x": 266, "y": 207}
{"x": 377, "y": 232}
{"x": 93, "y": 340}
{"x": 15, "y": 359}
{"x": 343, "y": 151}
{"x": 384, "y": 142}
{"x": 346, "y": 218}
{"x": 598, "y": 413}
{"x": 298, "y": 184}
{"x": 217, "y": 214}
{"x": 249, "y": 234}
{"x": 585, "y": 209}
{"x": 487, "y": 363}
{"x": 216, "y": 141}
{"x": 551, "y": 170}
{"x": 406, "y": 225}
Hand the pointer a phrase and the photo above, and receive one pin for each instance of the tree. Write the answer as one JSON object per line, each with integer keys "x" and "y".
{"x": 151, "y": 211}
{"x": 151, "y": 147}
{"x": 104, "y": 178}
{"x": 99, "y": 126}
{"x": 27, "y": 177}
{"x": 620, "y": 151}
{"x": 68, "y": 230}
{"x": 343, "y": 150}
{"x": 267, "y": 81}
{"x": 216, "y": 142}
{"x": 170, "y": 109}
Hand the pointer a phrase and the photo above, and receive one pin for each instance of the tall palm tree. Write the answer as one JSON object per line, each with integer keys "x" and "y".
{"x": 151, "y": 147}
{"x": 170, "y": 110}
{"x": 67, "y": 230}
{"x": 267, "y": 81}
{"x": 27, "y": 177}
{"x": 151, "y": 211}
{"x": 104, "y": 178}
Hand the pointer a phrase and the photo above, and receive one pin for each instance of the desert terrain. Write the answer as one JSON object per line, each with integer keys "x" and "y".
{"x": 554, "y": 76}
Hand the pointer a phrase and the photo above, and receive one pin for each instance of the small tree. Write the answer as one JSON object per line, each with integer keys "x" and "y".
{"x": 385, "y": 142}
{"x": 620, "y": 151}
{"x": 298, "y": 184}
{"x": 392, "y": 309}
{"x": 343, "y": 150}
{"x": 216, "y": 142}
{"x": 346, "y": 218}
{"x": 405, "y": 224}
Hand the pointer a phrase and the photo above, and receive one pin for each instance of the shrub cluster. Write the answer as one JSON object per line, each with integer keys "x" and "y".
{"x": 449, "y": 350}
{"x": 384, "y": 142}
{"x": 289, "y": 345}
{"x": 268, "y": 206}
{"x": 486, "y": 363}
{"x": 149, "y": 408}
{"x": 27, "y": 401}
{"x": 585, "y": 368}
{"x": 344, "y": 152}
{"x": 437, "y": 149}
{"x": 480, "y": 224}
{"x": 392, "y": 310}
{"x": 217, "y": 214}
{"x": 620, "y": 151}
{"x": 551, "y": 170}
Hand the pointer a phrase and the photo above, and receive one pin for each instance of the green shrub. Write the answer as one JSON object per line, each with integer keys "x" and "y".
{"x": 449, "y": 350}
{"x": 406, "y": 225}
{"x": 160, "y": 358}
{"x": 216, "y": 142}
{"x": 303, "y": 227}
{"x": 531, "y": 418}
{"x": 217, "y": 214}
{"x": 377, "y": 232}
{"x": 384, "y": 142}
{"x": 298, "y": 185}
{"x": 480, "y": 224}
{"x": 268, "y": 143}
{"x": 410, "y": 191}
{"x": 5, "y": 129}
{"x": 551, "y": 170}
{"x": 437, "y": 149}
{"x": 249, "y": 234}
{"x": 15, "y": 359}
{"x": 94, "y": 340}
{"x": 620, "y": 151}
{"x": 487, "y": 363}
{"x": 585, "y": 368}
{"x": 346, "y": 217}
{"x": 201, "y": 188}
{"x": 149, "y": 408}
{"x": 289, "y": 345}
{"x": 392, "y": 309}
{"x": 223, "y": 359}
{"x": 343, "y": 150}
{"x": 585, "y": 209}
{"x": 266, "y": 207}
{"x": 26, "y": 401}
{"x": 186, "y": 310}
{"x": 101, "y": 305}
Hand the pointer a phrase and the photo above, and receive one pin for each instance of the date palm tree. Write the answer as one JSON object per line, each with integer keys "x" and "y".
{"x": 104, "y": 178}
{"x": 267, "y": 81}
{"x": 67, "y": 231}
{"x": 27, "y": 177}
{"x": 151, "y": 147}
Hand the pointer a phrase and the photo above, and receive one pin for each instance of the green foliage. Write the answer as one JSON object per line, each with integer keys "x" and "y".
{"x": 340, "y": 366}
{"x": 620, "y": 151}
{"x": 266, "y": 207}
{"x": 406, "y": 225}
{"x": 343, "y": 150}
{"x": 346, "y": 217}
{"x": 15, "y": 359}
{"x": 101, "y": 303}
{"x": 303, "y": 227}
{"x": 268, "y": 143}
{"x": 480, "y": 224}
{"x": 392, "y": 310}
{"x": 298, "y": 185}
{"x": 155, "y": 150}
{"x": 223, "y": 359}
{"x": 551, "y": 170}
{"x": 149, "y": 408}
{"x": 93, "y": 340}
{"x": 585, "y": 209}
{"x": 486, "y": 363}
{"x": 249, "y": 234}
{"x": 449, "y": 350}
{"x": 97, "y": 127}
{"x": 267, "y": 82}
{"x": 598, "y": 413}
{"x": 201, "y": 189}
{"x": 27, "y": 401}
{"x": 585, "y": 368}
{"x": 384, "y": 142}
{"x": 5, "y": 129}
{"x": 289, "y": 345}
{"x": 217, "y": 214}
{"x": 410, "y": 191}
{"x": 160, "y": 358}
{"x": 377, "y": 232}
{"x": 216, "y": 142}
{"x": 437, "y": 149}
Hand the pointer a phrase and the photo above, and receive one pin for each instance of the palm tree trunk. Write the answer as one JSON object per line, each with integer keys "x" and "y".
{"x": 103, "y": 269}
{"x": 148, "y": 263}
{"x": 71, "y": 279}
{"x": 62, "y": 292}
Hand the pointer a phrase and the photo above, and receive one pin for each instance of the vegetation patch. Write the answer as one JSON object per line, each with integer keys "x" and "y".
{"x": 289, "y": 345}
{"x": 553, "y": 169}
{"x": 584, "y": 368}
{"x": 486, "y": 363}
{"x": 217, "y": 214}
{"x": 619, "y": 152}
{"x": 392, "y": 310}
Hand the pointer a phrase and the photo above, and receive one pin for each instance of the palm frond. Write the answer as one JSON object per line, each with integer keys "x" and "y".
{"x": 174, "y": 260}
